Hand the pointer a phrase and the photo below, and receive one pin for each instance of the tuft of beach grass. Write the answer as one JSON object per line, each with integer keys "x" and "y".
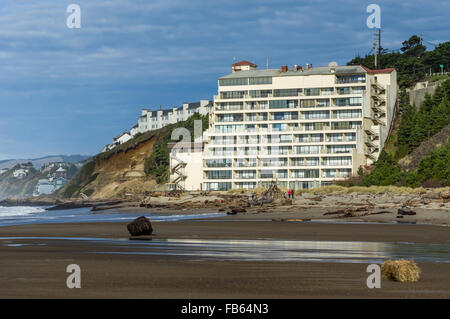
{"x": 401, "y": 270}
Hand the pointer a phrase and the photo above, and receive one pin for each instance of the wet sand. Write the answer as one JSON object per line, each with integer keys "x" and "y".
{"x": 39, "y": 271}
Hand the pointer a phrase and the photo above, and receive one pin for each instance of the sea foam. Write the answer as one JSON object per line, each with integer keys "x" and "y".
{"x": 19, "y": 211}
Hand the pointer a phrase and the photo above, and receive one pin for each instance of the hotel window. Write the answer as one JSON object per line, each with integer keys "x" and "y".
{"x": 221, "y": 186}
{"x": 350, "y": 137}
{"x": 345, "y": 125}
{"x": 308, "y": 149}
{"x": 302, "y": 138}
{"x": 260, "y": 93}
{"x": 286, "y": 92}
{"x": 263, "y": 105}
{"x": 245, "y": 174}
{"x": 278, "y": 104}
{"x": 246, "y": 185}
{"x": 316, "y": 137}
{"x": 261, "y": 80}
{"x": 343, "y": 90}
{"x": 327, "y": 91}
{"x": 340, "y": 148}
{"x": 337, "y": 161}
{"x": 219, "y": 175}
{"x": 228, "y": 82}
{"x": 312, "y": 91}
{"x": 358, "y": 89}
{"x": 233, "y": 94}
{"x": 329, "y": 173}
{"x": 312, "y": 161}
{"x": 281, "y": 173}
{"x": 335, "y": 137}
{"x": 360, "y": 78}
{"x": 355, "y": 101}
{"x": 266, "y": 174}
{"x": 305, "y": 173}
{"x": 218, "y": 163}
{"x": 347, "y": 114}
{"x": 323, "y": 102}
{"x": 285, "y": 138}
{"x": 311, "y": 115}
{"x": 297, "y": 161}
{"x": 308, "y": 103}
{"x": 315, "y": 126}
{"x": 279, "y": 127}
{"x": 230, "y": 118}
{"x": 228, "y": 128}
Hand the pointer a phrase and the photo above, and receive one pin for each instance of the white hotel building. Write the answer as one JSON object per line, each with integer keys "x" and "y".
{"x": 301, "y": 127}
{"x": 153, "y": 120}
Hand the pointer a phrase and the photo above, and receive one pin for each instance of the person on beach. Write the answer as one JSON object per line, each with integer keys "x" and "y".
{"x": 292, "y": 193}
{"x": 289, "y": 193}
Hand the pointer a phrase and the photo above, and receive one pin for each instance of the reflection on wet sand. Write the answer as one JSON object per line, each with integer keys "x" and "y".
{"x": 250, "y": 250}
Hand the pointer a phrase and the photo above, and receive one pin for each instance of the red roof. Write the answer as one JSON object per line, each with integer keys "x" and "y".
{"x": 388, "y": 70}
{"x": 244, "y": 63}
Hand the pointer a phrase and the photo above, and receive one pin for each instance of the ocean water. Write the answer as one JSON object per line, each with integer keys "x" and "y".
{"x": 22, "y": 215}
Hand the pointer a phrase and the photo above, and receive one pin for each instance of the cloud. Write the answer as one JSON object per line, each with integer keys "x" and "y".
{"x": 132, "y": 53}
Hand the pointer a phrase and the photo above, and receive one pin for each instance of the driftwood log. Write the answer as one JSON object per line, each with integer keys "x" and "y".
{"x": 140, "y": 226}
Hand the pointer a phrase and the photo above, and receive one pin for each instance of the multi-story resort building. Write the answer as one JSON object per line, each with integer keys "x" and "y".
{"x": 153, "y": 120}
{"x": 302, "y": 127}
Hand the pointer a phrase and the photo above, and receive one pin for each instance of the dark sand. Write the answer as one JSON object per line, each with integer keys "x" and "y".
{"x": 39, "y": 271}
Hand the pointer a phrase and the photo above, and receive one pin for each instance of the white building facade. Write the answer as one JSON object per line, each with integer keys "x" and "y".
{"x": 303, "y": 128}
{"x": 153, "y": 120}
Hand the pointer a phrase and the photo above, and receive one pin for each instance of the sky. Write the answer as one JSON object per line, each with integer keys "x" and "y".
{"x": 70, "y": 91}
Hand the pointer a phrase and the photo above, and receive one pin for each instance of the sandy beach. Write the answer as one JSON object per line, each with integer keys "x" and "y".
{"x": 34, "y": 271}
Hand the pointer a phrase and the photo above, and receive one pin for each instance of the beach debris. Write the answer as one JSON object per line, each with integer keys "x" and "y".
{"x": 350, "y": 212}
{"x": 140, "y": 226}
{"x": 446, "y": 194}
{"x": 401, "y": 270}
{"x": 405, "y": 211}
{"x": 238, "y": 210}
{"x": 316, "y": 199}
{"x": 290, "y": 220}
{"x": 273, "y": 192}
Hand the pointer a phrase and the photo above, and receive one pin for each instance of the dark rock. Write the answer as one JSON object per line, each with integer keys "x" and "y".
{"x": 405, "y": 211}
{"x": 236, "y": 210}
{"x": 140, "y": 226}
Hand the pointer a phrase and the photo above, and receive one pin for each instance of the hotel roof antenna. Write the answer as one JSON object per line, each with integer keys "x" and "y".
{"x": 267, "y": 62}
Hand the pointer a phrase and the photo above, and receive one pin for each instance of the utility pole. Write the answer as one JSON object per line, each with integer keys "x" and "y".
{"x": 375, "y": 51}
{"x": 379, "y": 48}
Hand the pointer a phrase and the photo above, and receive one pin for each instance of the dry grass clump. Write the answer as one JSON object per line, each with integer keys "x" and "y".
{"x": 401, "y": 270}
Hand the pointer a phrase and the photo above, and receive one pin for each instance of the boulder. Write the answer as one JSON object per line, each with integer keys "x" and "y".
{"x": 238, "y": 210}
{"x": 405, "y": 211}
{"x": 140, "y": 226}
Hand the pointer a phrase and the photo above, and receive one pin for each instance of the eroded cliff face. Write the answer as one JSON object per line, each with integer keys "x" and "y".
{"x": 116, "y": 175}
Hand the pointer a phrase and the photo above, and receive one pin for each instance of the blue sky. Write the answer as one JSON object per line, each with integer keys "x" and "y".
{"x": 69, "y": 91}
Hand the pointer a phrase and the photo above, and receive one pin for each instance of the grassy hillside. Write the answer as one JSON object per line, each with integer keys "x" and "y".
{"x": 423, "y": 133}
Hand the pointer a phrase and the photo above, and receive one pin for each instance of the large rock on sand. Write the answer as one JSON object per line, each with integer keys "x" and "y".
{"x": 140, "y": 226}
